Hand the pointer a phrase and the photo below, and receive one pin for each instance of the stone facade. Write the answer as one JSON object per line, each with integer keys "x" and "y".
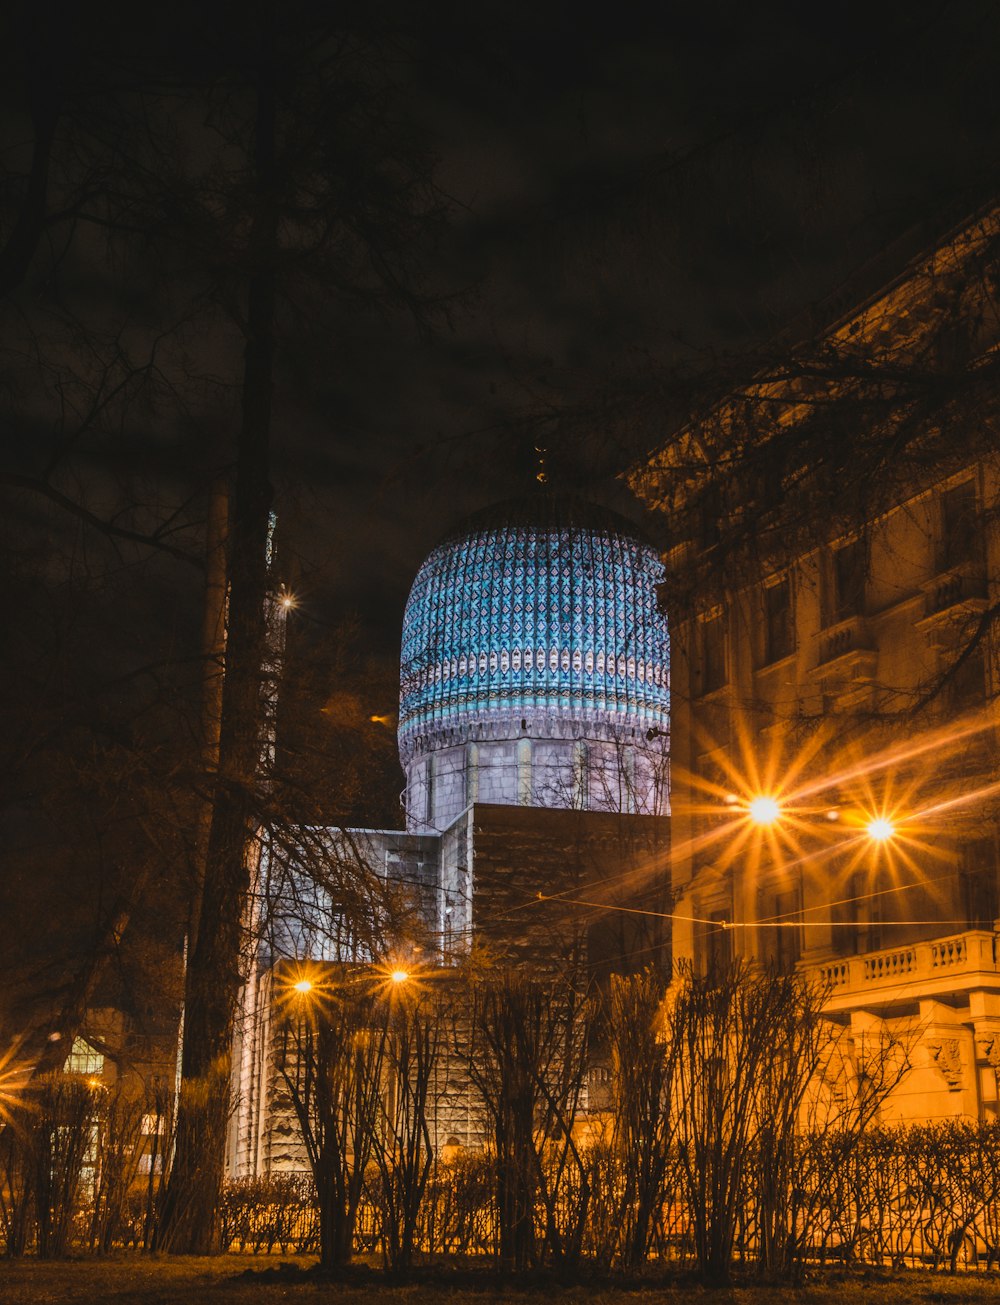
{"x": 530, "y": 888}
{"x": 850, "y": 674}
{"x": 546, "y": 884}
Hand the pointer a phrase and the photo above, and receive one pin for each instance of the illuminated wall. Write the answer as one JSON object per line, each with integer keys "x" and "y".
{"x": 535, "y": 666}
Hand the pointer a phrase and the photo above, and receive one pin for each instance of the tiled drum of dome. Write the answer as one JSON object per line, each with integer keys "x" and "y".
{"x": 555, "y": 615}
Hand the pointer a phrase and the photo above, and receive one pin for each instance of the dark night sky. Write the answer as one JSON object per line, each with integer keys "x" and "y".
{"x": 635, "y": 196}
{"x": 637, "y": 193}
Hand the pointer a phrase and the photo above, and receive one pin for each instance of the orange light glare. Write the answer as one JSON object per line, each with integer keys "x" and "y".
{"x": 303, "y": 985}
{"x": 399, "y": 976}
{"x": 880, "y": 829}
{"x": 764, "y": 810}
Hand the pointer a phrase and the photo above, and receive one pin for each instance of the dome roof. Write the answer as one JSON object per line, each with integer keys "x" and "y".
{"x": 543, "y": 607}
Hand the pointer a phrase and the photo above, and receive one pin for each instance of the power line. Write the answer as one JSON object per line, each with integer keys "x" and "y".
{"x": 725, "y": 925}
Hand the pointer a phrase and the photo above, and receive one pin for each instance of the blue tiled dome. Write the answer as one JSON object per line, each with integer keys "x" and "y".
{"x": 536, "y": 615}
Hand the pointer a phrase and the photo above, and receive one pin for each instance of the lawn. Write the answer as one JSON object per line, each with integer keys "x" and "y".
{"x": 250, "y": 1280}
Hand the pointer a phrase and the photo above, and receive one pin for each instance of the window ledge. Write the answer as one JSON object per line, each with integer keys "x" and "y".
{"x": 951, "y": 598}
{"x": 768, "y": 667}
{"x": 846, "y": 652}
{"x": 717, "y": 695}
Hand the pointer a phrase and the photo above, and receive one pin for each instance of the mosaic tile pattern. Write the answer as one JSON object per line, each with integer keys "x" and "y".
{"x": 545, "y": 606}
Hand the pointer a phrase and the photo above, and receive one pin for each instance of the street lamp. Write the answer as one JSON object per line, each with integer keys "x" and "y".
{"x": 880, "y": 829}
{"x": 763, "y": 810}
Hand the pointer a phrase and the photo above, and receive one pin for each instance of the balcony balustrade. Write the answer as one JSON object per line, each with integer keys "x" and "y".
{"x": 951, "y": 599}
{"x": 846, "y": 652}
{"x": 954, "y": 964}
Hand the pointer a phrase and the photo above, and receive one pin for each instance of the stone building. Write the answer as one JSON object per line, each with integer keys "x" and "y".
{"x": 533, "y": 732}
{"x": 833, "y": 580}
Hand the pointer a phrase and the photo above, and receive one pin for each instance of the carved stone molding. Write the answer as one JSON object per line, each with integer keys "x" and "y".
{"x": 946, "y": 1057}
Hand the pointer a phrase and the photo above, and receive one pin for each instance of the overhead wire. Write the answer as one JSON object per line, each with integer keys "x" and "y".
{"x": 774, "y": 922}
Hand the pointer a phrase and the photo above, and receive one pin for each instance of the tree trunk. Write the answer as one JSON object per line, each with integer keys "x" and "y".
{"x": 213, "y": 978}
{"x": 213, "y": 649}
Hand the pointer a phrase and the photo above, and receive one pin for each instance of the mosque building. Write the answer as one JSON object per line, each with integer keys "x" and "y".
{"x": 534, "y": 736}
{"x": 534, "y": 666}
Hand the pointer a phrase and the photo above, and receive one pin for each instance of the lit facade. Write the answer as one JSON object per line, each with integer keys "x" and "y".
{"x": 850, "y": 676}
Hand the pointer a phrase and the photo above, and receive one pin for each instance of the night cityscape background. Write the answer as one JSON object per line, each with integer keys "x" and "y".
{"x": 348, "y": 278}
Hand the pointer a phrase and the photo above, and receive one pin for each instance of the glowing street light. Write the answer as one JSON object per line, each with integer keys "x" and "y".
{"x": 399, "y": 976}
{"x": 880, "y": 829}
{"x": 763, "y": 810}
{"x": 303, "y": 986}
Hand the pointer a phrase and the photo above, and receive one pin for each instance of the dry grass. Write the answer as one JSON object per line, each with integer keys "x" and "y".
{"x": 250, "y": 1280}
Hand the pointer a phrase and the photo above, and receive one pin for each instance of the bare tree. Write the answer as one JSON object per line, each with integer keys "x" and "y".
{"x": 645, "y": 1123}
{"x": 404, "y": 1149}
{"x": 524, "y": 1048}
{"x": 798, "y": 1037}
{"x": 732, "y": 1099}
{"x": 331, "y": 1054}
{"x": 290, "y": 179}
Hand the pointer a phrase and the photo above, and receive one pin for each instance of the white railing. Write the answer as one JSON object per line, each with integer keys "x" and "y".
{"x": 956, "y": 961}
{"x": 889, "y": 965}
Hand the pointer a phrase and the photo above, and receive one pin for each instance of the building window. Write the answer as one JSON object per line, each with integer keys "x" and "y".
{"x": 713, "y": 653}
{"x": 978, "y": 884}
{"x": 581, "y": 775}
{"x": 966, "y": 686}
{"x": 524, "y": 772}
{"x": 715, "y": 944}
{"x": 84, "y": 1059}
{"x": 471, "y": 774}
{"x": 709, "y": 517}
{"x": 788, "y": 931}
{"x": 845, "y": 583}
{"x": 777, "y": 621}
{"x": 429, "y": 779}
{"x": 857, "y": 921}
{"x": 959, "y": 541}
{"x": 846, "y": 919}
